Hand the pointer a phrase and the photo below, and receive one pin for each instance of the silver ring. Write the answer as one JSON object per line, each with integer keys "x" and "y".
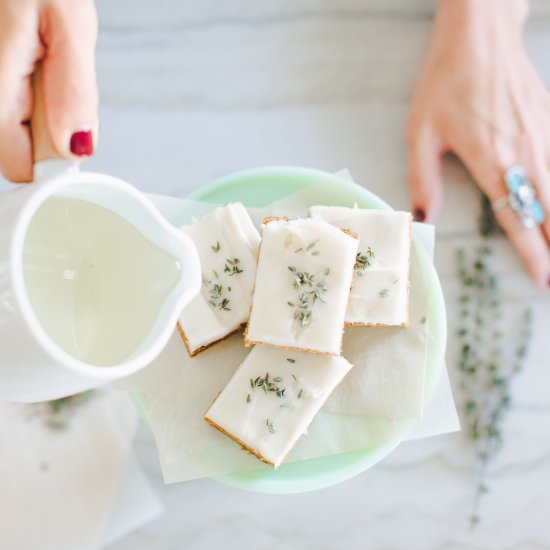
{"x": 521, "y": 198}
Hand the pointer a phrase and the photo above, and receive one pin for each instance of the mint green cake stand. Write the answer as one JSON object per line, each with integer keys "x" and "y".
{"x": 259, "y": 187}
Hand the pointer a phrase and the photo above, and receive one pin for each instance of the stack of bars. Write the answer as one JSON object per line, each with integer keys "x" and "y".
{"x": 293, "y": 290}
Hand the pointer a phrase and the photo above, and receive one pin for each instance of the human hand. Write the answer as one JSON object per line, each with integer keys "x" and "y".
{"x": 479, "y": 96}
{"x": 61, "y": 34}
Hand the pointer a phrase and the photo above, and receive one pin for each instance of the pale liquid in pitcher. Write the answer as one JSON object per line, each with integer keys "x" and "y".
{"x": 95, "y": 282}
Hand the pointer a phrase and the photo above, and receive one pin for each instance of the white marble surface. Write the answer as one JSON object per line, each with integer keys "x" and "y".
{"x": 194, "y": 90}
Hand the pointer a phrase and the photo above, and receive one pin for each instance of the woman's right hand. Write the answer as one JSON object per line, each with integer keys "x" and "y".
{"x": 60, "y": 34}
{"x": 479, "y": 96}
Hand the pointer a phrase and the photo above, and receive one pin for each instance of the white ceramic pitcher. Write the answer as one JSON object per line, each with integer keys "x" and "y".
{"x": 34, "y": 366}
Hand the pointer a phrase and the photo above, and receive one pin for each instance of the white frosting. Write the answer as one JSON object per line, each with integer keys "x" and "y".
{"x": 312, "y": 377}
{"x": 381, "y": 294}
{"x": 204, "y": 320}
{"x": 313, "y": 247}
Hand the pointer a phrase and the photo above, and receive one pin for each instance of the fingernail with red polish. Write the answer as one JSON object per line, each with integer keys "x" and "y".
{"x": 419, "y": 215}
{"x": 82, "y": 143}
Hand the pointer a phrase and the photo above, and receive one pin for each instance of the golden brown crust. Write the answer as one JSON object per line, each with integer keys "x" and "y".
{"x": 243, "y": 445}
{"x": 249, "y": 343}
{"x": 351, "y": 233}
{"x": 269, "y": 219}
{"x": 360, "y": 324}
{"x": 202, "y": 348}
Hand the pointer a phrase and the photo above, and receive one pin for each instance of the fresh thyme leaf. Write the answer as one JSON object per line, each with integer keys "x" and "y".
{"x": 384, "y": 293}
{"x": 293, "y": 376}
{"x": 300, "y": 394}
{"x": 316, "y": 253}
{"x": 277, "y": 379}
{"x": 312, "y": 245}
{"x": 298, "y": 250}
{"x": 271, "y": 426}
{"x": 327, "y": 271}
{"x": 290, "y": 360}
{"x": 216, "y": 247}
{"x": 304, "y": 318}
{"x": 363, "y": 261}
{"x": 216, "y": 291}
{"x": 224, "y": 305}
{"x": 248, "y": 398}
{"x": 232, "y": 266}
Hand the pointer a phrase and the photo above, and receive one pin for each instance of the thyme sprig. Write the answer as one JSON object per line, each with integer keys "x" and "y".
{"x": 310, "y": 292}
{"x": 489, "y": 360}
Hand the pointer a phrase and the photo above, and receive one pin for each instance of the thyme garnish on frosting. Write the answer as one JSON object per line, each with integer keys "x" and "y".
{"x": 269, "y": 386}
{"x": 310, "y": 292}
{"x": 232, "y": 266}
{"x": 215, "y": 292}
{"x": 384, "y": 293}
{"x": 271, "y": 426}
{"x": 363, "y": 261}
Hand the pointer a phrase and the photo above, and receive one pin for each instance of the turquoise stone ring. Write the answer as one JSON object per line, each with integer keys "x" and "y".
{"x": 521, "y": 198}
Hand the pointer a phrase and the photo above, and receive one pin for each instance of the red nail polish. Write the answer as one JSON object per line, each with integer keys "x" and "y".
{"x": 419, "y": 215}
{"x": 82, "y": 143}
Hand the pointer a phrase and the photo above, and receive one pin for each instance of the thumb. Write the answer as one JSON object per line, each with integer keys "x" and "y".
{"x": 69, "y": 32}
{"x": 425, "y": 174}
